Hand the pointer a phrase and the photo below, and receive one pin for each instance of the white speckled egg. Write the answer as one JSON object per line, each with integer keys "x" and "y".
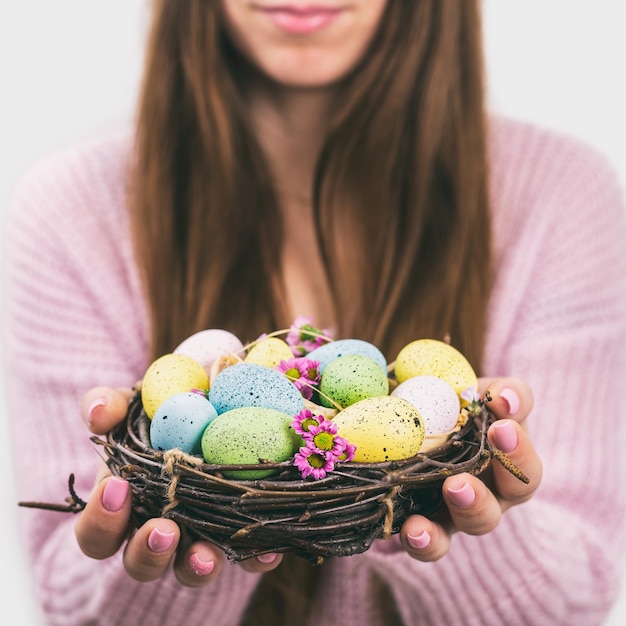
{"x": 168, "y": 375}
{"x": 342, "y": 347}
{"x": 350, "y": 378}
{"x": 430, "y": 357}
{"x": 180, "y": 421}
{"x": 207, "y": 345}
{"x": 385, "y": 428}
{"x": 269, "y": 352}
{"x": 246, "y": 435}
{"x": 249, "y": 384}
{"x": 436, "y": 401}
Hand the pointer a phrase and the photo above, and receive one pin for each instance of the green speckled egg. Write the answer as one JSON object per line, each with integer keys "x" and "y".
{"x": 247, "y": 434}
{"x": 385, "y": 428}
{"x": 269, "y": 352}
{"x": 168, "y": 375}
{"x": 350, "y": 378}
{"x": 430, "y": 357}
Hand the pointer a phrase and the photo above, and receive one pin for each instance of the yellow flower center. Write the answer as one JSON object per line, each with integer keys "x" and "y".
{"x": 324, "y": 441}
{"x": 316, "y": 460}
{"x": 292, "y": 373}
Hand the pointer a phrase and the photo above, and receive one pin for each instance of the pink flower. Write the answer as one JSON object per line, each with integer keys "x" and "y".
{"x": 302, "y": 372}
{"x": 348, "y": 451}
{"x": 303, "y": 337}
{"x": 304, "y": 420}
{"x": 313, "y": 462}
{"x": 324, "y": 438}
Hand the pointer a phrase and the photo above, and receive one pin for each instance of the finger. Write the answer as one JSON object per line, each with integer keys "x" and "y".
{"x": 102, "y": 408}
{"x": 262, "y": 563}
{"x": 149, "y": 551}
{"x": 509, "y": 437}
{"x": 102, "y": 526}
{"x": 424, "y": 539}
{"x": 198, "y": 564}
{"x": 473, "y": 508}
{"x": 509, "y": 397}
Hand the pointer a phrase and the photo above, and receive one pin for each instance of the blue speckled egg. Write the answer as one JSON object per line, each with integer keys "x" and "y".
{"x": 180, "y": 421}
{"x": 342, "y": 347}
{"x": 247, "y": 435}
{"x": 350, "y": 378}
{"x": 250, "y": 384}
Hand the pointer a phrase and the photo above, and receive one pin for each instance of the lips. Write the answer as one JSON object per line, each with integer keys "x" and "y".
{"x": 302, "y": 20}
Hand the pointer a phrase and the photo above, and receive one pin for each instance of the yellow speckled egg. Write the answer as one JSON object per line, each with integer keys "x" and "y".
{"x": 269, "y": 352}
{"x": 383, "y": 428}
{"x": 168, "y": 375}
{"x": 431, "y": 357}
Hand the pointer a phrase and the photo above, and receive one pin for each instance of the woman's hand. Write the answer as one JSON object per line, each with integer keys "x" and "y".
{"x": 103, "y": 526}
{"x": 475, "y": 504}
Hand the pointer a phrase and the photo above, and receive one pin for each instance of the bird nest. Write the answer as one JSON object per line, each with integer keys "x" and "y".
{"x": 339, "y": 515}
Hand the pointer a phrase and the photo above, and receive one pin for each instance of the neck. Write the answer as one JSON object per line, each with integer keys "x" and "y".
{"x": 291, "y": 125}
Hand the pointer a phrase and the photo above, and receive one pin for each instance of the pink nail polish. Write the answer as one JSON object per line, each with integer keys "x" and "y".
{"x": 512, "y": 400}
{"x": 200, "y": 567}
{"x": 114, "y": 494}
{"x": 93, "y": 408}
{"x": 159, "y": 541}
{"x": 462, "y": 497}
{"x": 267, "y": 558}
{"x": 504, "y": 436}
{"x": 420, "y": 541}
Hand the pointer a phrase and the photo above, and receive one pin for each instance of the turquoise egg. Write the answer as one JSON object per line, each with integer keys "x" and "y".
{"x": 348, "y": 379}
{"x": 249, "y": 384}
{"x": 180, "y": 421}
{"x": 246, "y": 435}
{"x": 342, "y": 347}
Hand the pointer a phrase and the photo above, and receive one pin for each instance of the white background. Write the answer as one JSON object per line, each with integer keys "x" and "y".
{"x": 69, "y": 70}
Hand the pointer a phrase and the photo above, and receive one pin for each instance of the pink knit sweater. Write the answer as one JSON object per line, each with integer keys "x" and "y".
{"x": 76, "y": 318}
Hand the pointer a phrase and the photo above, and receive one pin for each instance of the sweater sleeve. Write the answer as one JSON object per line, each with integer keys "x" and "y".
{"x": 74, "y": 318}
{"x": 558, "y": 320}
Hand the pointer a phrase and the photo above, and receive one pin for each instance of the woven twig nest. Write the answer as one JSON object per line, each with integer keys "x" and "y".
{"x": 339, "y": 515}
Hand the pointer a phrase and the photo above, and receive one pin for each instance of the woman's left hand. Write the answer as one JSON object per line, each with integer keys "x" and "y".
{"x": 475, "y": 503}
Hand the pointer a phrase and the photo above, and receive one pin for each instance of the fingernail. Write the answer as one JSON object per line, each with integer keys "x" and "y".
{"x": 200, "y": 567}
{"x": 504, "y": 436}
{"x": 512, "y": 400}
{"x": 270, "y": 557}
{"x": 420, "y": 541}
{"x": 159, "y": 541}
{"x": 114, "y": 494}
{"x": 94, "y": 408}
{"x": 462, "y": 497}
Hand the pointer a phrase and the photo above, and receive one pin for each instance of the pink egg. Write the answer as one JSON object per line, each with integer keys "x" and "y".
{"x": 435, "y": 399}
{"x": 207, "y": 345}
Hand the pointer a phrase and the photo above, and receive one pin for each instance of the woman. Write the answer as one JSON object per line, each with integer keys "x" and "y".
{"x": 335, "y": 161}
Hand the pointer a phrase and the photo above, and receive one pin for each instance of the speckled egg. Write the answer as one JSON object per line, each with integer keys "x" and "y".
{"x": 269, "y": 352}
{"x": 350, "y": 378}
{"x": 385, "y": 428}
{"x": 168, "y": 375}
{"x": 430, "y": 357}
{"x": 180, "y": 421}
{"x": 435, "y": 400}
{"x": 246, "y": 435}
{"x": 342, "y": 347}
{"x": 206, "y": 345}
{"x": 249, "y": 384}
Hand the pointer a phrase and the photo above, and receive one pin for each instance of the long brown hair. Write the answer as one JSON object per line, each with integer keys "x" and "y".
{"x": 403, "y": 173}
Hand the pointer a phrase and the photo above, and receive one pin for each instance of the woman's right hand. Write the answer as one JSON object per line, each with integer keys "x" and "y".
{"x": 103, "y": 527}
